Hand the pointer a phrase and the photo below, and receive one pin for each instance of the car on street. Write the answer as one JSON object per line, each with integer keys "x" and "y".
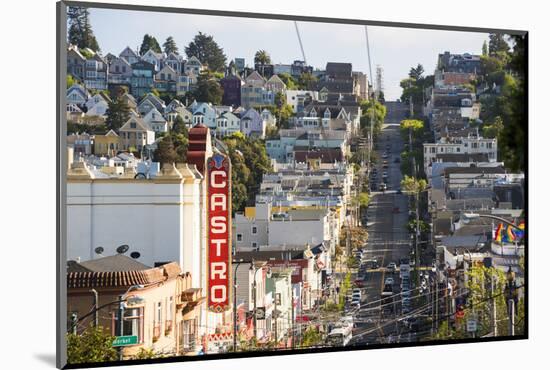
{"x": 398, "y": 191}
{"x": 396, "y": 160}
{"x": 382, "y": 187}
{"x": 389, "y": 281}
{"x": 392, "y": 266}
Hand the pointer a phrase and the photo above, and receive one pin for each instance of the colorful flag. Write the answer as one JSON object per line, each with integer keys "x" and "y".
{"x": 520, "y": 232}
{"x": 510, "y": 235}
{"x": 498, "y": 234}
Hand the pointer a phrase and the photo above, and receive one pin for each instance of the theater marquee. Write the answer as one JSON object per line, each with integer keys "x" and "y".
{"x": 219, "y": 233}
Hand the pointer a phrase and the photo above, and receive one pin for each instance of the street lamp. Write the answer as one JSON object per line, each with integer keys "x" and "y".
{"x": 467, "y": 217}
{"x": 121, "y": 307}
{"x": 268, "y": 274}
{"x": 511, "y": 296}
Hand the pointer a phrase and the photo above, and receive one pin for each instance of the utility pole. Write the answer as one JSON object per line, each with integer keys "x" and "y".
{"x": 511, "y": 314}
{"x": 120, "y": 326}
{"x": 494, "y": 309}
{"x": 96, "y": 313}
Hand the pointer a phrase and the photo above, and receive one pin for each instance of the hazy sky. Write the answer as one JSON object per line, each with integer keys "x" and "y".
{"x": 395, "y": 49}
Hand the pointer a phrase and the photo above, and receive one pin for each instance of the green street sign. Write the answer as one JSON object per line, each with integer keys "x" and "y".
{"x": 126, "y": 340}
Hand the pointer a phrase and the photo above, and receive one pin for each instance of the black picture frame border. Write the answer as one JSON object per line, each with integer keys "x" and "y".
{"x": 61, "y": 160}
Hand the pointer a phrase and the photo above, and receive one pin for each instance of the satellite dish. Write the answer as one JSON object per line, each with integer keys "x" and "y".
{"x": 135, "y": 255}
{"x": 99, "y": 250}
{"x": 122, "y": 249}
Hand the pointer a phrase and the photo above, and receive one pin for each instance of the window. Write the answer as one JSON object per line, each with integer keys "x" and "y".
{"x": 239, "y": 237}
{"x": 132, "y": 323}
{"x": 254, "y": 245}
{"x": 169, "y": 314}
{"x": 254, "y": 230}
{"x": 489, "y": 145}
{"x": 132, "y": 125}
{"x": 189, "y": 334}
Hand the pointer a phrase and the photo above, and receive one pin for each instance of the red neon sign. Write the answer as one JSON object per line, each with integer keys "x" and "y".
{"x": 219, "y": 232}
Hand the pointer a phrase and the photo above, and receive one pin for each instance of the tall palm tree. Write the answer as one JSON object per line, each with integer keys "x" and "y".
{"x": 262, "y": 58}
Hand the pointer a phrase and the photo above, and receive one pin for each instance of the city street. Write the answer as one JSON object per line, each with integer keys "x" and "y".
{"x": 388, "y": 240}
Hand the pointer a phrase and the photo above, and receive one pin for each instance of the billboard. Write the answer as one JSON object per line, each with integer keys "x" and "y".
{"x": 219, "y": 232}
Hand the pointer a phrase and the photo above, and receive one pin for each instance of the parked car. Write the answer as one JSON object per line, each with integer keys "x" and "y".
{"x": 399, "y": 191}
{"x": 389, "y": 281}
{"x": 392, "y": 266}
{"x": 382, "y": 187}
{"x": 396, "y": 160}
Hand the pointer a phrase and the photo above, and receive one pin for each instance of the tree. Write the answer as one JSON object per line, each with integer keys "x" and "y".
{"x": 416, "y": 73}
{"x": 165, "y": 152}
{"x": 262, "y": 57}
{"x": 207, "y": 51}
{"x": 311, "y": 337}
{"x": 412, "y": 185}
{"x": 80, "y": 31}
{"x": 149, "y": 43}
{"x": 372, "y": 109}
{"x": 497, "y": 43}
{"x": 208, "y": 89}
{"x": 484, "y": 49}
{"x": 306, "y": 81}
{"x": 70, "y": 80}
{"x": 179, "y": 126}
{"x": 93, "y": 345}
{"x": 249, "y": 162}
{"x": 289, "y": 81}
{"x": 170, "y": 46}
{"x": 411, "y": 128}
{"x": 494, "y": 130}
{"x": 117, "y": 114}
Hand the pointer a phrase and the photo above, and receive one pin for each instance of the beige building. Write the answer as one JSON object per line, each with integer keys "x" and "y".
{"x": 135, "y": 133}
{"x": 161, "y": 307}
{"x": 106, "y": 145}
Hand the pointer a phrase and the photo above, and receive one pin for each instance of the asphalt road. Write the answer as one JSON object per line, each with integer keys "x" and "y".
{"x": 389, "y": 241}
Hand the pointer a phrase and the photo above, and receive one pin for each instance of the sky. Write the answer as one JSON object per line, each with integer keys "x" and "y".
{"x": 396, "y": 50}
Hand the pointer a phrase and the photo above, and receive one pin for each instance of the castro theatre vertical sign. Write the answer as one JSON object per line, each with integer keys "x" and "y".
{"x": 219, "y": 233}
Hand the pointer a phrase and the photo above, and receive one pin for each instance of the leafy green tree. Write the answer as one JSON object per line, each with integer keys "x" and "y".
{"x": 497, "y": 43}
{"x": 70, "y": 80}
{"x": 494, "y": 130}
{"x": 117, "y": 114}
{"x": 207, "y": 51}
{"x": 411, "y": 128}
{"x": 306, "y": 81}
{"x": 149, "y": 43}
{"x": 262, "y": 57}
{"x": 165, "y": 152}
{"x": 180, "y": 127}
{"x": 372, "y": 109}
{"x": 208, "y": 89}
{"x": 93, "y": 345}
{"x": 146, "y": 354}
{"x": 412, "y": 185}
{"x": 416, "y": 72}
{"x": 290, "y": 82}
{"x": 249, "y": 162}
{"x": 80, "y": 31}
{"x": 484, "y": 49}
{"x": 170, "y": 46}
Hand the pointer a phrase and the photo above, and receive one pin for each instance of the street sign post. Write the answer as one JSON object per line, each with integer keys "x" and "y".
{"x": 471, "y": 325}
{"x": 126, "y": 340}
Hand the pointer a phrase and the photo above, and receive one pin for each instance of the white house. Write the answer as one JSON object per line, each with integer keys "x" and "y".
{"x": 203, "y": 113}
{"x": 227, "y": 124}
{"x": 156, "y": 121}
{"x": 98, "y": 109}
{"x": 154, "y": 58}
{"x": 77, "y": 95}
{"x": 460, "y": 145}
{"x": 193, "y": 65}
